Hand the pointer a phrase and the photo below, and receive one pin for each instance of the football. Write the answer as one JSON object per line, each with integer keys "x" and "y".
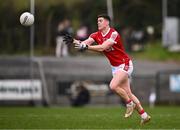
{"x": 27, "y": 19}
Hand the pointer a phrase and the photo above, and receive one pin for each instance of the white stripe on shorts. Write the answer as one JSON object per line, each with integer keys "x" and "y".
{"x": 121, "y": 68}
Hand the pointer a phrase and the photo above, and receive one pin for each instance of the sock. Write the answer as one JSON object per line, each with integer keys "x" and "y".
{"x": 143, "y": 114}
{"x": 129, "y": 103}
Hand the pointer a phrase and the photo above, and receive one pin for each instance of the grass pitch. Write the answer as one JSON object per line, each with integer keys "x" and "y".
{"x": 86, "y": 118}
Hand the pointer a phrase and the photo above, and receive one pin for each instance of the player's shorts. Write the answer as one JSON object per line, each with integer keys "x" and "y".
{"x": 126, "y": 67}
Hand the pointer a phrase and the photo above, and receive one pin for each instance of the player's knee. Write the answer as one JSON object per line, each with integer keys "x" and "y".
{"x": 113, "y": 86}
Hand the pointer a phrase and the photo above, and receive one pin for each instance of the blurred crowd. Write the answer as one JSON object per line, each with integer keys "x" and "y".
{"x": 134, "y": 39}
{"x": 64, "y": 28}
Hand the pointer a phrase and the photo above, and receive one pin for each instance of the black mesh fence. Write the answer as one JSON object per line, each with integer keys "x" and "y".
{"x": 168, "y": 87}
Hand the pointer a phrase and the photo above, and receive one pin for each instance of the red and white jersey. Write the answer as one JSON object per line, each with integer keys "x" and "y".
{"x": 116, "y": 53}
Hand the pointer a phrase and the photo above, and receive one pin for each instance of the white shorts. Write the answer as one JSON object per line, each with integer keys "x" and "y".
{"x": 126, "y": 67}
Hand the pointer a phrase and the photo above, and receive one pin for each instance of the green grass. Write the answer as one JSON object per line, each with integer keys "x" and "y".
{"x": 155, "y": 51}
{"x": 85, "y": 118}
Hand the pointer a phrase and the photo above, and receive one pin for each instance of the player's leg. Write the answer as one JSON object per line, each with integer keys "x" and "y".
{"x": 120, "y": 78}
{"x": 64, "y": 50}
{"x": 132, "y": 96}
{"x": 59, "y": 41}
{"x": 144, "y": 116}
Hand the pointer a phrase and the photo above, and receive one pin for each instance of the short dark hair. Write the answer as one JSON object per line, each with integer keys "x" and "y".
{"x": 105, "y": 16}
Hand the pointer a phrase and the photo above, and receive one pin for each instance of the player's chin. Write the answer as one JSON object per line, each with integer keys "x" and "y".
{"x": 99, "y": 28}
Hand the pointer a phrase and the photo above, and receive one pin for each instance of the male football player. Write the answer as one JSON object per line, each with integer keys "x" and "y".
{"x": 109, "y": 42}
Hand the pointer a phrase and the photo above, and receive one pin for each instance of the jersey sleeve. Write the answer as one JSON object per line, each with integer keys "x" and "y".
{"x": 113, "y": 37}
{"x": 93, "y": 36}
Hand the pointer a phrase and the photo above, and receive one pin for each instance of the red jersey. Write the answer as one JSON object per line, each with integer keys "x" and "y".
{"x": 116, "y": 53}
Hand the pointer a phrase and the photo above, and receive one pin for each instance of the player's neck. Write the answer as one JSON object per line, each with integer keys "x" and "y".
{"x": 105, "y": 30}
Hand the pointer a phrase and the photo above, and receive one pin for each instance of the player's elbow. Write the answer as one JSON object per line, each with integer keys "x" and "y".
{"x": 103, "y": 48}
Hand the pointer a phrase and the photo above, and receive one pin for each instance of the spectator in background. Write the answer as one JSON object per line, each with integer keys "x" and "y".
{"x": 80, "y": 96}
{"x": 82, "y": 33}
{"x": 126, "y": 34}
{"x": 138, "y": 40}
{"x": 64, "y": 28}
{"x": 150, "y": 32}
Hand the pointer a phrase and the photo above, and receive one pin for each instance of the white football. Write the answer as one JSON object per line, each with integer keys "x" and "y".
{"x": 27, "y": 19}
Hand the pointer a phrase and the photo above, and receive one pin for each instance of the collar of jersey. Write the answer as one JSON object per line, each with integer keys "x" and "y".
{"x": 105, "y": 33}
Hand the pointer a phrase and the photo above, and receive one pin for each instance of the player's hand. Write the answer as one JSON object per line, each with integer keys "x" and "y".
{"x": 68, "y": 39}
{"x": 81, "y": 46}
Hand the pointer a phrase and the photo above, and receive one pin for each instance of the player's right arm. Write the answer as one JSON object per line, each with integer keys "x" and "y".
{"x": 68, "y": 39}
{"x": 84, "y": 44}
{"x": 88, "y": 41}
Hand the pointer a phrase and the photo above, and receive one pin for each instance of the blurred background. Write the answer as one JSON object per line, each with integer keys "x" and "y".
{"x": 36, "y": 68}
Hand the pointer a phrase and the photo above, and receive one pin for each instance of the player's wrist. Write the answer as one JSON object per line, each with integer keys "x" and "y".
{"x": 84, "y": 46}
{"x": 76, "y": 41}
{"x": 81, "y": 46}
{"x": 87, "y": 47}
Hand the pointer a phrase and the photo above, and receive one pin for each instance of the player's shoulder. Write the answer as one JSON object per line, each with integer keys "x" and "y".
{"x": 114, "y": 30}
{"x": 94, "y": 33}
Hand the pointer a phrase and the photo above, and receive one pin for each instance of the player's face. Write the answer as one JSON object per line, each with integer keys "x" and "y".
{"x": 102, "y": 23}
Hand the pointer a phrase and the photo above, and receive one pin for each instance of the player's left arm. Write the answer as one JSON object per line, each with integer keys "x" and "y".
{"x": 106, "y": 44}
{"x": 83, "y": 46}
{"x": 88, "y": 41}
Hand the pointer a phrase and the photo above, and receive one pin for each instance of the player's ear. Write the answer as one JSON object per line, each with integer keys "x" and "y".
{"x": 106, "y": 22}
